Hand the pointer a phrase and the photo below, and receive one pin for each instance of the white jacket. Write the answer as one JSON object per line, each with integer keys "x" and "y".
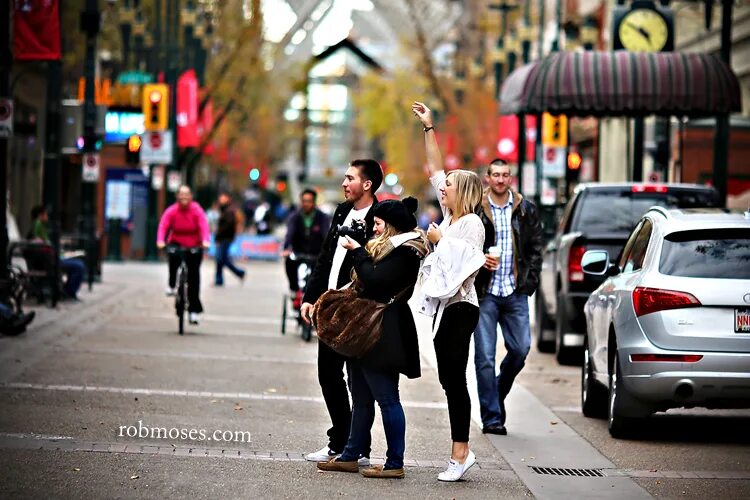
{"x": 444, "y": 273}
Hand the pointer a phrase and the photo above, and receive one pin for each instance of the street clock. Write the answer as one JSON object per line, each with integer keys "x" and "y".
{"x": 643, "y": 27}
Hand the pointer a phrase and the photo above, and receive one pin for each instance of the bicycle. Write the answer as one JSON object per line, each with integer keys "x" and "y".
{"x": 181, "y": 302}
{"x": 304, "y": 270}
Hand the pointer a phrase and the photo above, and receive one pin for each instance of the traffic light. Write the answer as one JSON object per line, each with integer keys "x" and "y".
{"x": 554, "y": 130}
{"x": 573, "y": 172}
{"x": 89, "y": 144}
{"x": 133, "y": 149}
{"x": 155, "y": 106}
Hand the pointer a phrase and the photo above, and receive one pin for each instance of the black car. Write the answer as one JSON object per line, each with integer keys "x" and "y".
{"x": 597, "y": 217}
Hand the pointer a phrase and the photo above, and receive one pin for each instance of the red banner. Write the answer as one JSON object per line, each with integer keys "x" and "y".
{"x": 187, "y": 110}
{"x": 507, "y": 141}
{"x": 36, "y": 30}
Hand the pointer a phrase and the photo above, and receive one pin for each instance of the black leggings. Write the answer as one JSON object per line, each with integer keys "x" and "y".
{"x": 193, "y": 262}
{"x": 452, "y": 350}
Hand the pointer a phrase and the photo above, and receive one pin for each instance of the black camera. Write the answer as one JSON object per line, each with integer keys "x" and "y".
{"x": 357, "y": 231}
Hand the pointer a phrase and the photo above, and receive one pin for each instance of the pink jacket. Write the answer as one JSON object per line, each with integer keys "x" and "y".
{"x": 187, "y": 227}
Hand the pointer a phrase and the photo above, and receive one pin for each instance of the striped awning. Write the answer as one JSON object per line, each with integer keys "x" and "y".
{"x": 622, "y": 83}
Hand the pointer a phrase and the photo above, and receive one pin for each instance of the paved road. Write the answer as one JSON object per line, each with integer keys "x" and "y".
{"x": 79, "y": 387}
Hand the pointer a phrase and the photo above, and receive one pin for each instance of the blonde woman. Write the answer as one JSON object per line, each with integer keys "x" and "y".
{"x": 384, "y": 271}
{"x": 449, "y": 288}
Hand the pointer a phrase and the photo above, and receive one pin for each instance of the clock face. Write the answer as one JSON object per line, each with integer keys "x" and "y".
{"x": 643, "y": 30}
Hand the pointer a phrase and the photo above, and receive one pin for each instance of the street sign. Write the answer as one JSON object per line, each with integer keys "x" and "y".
{"x": 157, "y": 147}
{"x": 553, "y": 162}
{"x": 6, "y": 117}
{"x": 90, "y": 172}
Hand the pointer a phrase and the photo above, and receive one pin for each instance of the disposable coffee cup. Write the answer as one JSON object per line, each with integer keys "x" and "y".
{"x": 494, "y": 251}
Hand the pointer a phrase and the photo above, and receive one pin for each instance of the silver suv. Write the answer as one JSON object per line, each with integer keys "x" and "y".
{"x": 670, "y": 326}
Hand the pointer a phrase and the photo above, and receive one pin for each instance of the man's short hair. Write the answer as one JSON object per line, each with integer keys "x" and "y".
{"x": 499, "y": 162}
{"x": 37, "y": 210}
{"x": 371, "y": 171}
{"x": 310, "y": 192}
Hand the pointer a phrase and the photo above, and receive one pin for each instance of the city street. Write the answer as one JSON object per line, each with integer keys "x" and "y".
{"x": 84, "y": 385}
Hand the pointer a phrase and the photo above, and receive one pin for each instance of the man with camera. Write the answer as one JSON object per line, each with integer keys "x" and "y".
{"x": 354, "y": 218}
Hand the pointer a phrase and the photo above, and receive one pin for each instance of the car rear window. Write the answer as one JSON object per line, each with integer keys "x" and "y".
{"x": 612, "y": 211}
{"x": 710, "y": 253}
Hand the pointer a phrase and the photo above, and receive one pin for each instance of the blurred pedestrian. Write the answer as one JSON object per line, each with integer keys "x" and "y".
{"x": 226, "y": 229}
{"x": 306, "y": 231}
{"x": 449, "y": 288}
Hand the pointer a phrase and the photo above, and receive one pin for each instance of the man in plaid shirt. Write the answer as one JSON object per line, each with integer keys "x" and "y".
{"x": 513, "y": 261}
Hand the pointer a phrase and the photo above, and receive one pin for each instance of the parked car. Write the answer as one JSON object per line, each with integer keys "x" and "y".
{"x": 598, "y": 216}
{"x": 670, "y": 325}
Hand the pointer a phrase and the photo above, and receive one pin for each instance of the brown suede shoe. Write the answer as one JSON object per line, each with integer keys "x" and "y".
{"x": 379, "y": 471}
{"x": 334, "y": 465}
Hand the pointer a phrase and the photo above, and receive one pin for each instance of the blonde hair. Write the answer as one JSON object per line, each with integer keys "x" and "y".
{"x": 468, "y": 191}
{"x": 379, "y": 246}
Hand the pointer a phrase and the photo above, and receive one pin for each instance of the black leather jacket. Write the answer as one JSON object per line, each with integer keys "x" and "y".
{"x": 528, "y": 242}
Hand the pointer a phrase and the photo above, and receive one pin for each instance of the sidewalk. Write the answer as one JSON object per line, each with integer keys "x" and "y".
{"x": 86, "y": 369}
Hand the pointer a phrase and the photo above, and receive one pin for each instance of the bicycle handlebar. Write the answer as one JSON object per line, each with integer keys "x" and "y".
{"x": 177, "y": 249}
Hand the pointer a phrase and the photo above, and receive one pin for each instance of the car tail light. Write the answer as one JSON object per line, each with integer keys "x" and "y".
{"x": 673, "y": 358}
{"x": 649, "y": 300}
{"x": 575, "y": 271}
{"x": 649, "y": 188}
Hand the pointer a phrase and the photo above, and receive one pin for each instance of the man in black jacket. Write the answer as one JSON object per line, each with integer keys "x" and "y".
{"x": 333, "y": 270}
{"x": 513, "y": 261}
{"x": 225, "y": 233}
{"x": 305, "y": 233}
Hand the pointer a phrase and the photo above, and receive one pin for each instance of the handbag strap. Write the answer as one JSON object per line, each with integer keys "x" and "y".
{"x": 400, "y": 294}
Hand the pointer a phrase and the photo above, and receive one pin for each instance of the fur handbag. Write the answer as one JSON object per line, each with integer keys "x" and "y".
{"x": 349, "y": 324}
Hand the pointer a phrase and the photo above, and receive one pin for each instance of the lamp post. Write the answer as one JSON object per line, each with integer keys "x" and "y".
{"x": 721, "y": 138}
{"x": 538, "y": 145}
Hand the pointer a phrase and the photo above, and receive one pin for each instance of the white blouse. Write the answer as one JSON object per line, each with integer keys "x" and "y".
{"x": 468, "y": 228}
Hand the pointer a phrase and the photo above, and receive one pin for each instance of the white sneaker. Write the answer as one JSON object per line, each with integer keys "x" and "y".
{"x": 170, "y": 292}
{"x": 322, "y": 455}
{"x": 194, "y": 318}
{"x": 363, "y": 461}
{"x": 455, "y": 470}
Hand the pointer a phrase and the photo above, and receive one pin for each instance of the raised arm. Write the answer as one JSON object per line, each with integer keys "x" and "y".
{"x": 434, "y": 158}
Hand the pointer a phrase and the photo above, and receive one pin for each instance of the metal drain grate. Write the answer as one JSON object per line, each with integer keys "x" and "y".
{"x": 554, "y": 471}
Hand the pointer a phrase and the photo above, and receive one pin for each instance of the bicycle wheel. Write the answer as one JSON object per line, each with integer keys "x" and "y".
{"x": 284, "y": 301}
{"x": 181, "y": 300}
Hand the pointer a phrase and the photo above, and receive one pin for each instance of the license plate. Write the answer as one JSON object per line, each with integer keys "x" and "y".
{"x": 742, "y": 320}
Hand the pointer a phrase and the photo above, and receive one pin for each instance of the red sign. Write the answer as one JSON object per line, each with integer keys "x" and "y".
{"x": 36, "y": 30}
{"x": 187, "y": 110}
{"x": 155, "y": 140}
{"x": 507, "y": 141}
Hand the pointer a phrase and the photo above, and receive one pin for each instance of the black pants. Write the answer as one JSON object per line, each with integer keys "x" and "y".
{"x": 194, "y": 277}
{"x": 331, "y": 378}
{"x": 452, "y": 351}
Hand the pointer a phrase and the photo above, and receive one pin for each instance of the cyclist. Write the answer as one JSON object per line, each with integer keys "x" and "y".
{"x": 184, "y": 223}
{"x": 305, "y": 233}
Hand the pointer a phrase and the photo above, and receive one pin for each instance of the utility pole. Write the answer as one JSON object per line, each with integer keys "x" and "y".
{"x": 721, "y": 138}
{"x": 90, "y": 24}
{"x": 538, "y": 149}
{"x": 172, "y": 23}
{"x": 5, "y": 66}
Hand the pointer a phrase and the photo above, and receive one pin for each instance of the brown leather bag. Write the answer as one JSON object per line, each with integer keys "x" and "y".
{"x": 349, "y": 324}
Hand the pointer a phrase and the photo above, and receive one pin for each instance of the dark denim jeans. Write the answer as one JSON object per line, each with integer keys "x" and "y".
{"x": 223, "y": 259}
{"x": 369, "y": 386}
{"x": 74, "y": 269}
{"x": 512, "y": 313}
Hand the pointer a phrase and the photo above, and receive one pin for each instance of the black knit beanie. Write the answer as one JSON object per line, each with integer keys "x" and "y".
{"x": 399, "y": 214}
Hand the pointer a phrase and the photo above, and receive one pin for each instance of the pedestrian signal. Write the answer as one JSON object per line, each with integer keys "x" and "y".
{"x": 133, "y": 149}
{"x": 155, "y": 106}
{"x": 554, "y": 130}
{"x": 574, "y": 160}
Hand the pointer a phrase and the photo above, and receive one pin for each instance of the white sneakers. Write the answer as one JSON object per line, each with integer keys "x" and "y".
{"x": 194, "y": 318}
{"x": 455, "y": 470}
{"x": 325, "y": 453}
{"x": 170, "y": 292}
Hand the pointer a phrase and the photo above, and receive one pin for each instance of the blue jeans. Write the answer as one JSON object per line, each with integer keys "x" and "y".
{"x": 74, "y": 269}
{"x": 223, "y": 259}
{"x": 367, "y": 387}
{"x": 512, "y": 313}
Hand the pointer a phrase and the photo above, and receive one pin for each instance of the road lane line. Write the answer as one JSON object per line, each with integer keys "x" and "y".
{"x": 196, "y": 394}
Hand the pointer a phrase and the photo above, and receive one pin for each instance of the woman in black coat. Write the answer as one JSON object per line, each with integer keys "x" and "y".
{"x": 386, "y": 270}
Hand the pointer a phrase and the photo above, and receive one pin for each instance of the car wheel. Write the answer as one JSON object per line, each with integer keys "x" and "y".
{"x": 593, "y": 395}
{"x": 564, "y": 355}
{"x": 619, "y": 402}
{"x": 542, "y": 322}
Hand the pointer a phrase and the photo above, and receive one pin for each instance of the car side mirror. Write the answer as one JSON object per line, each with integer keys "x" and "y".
{"x": 595, "y": 262}
{"x": 612, "y": 270}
